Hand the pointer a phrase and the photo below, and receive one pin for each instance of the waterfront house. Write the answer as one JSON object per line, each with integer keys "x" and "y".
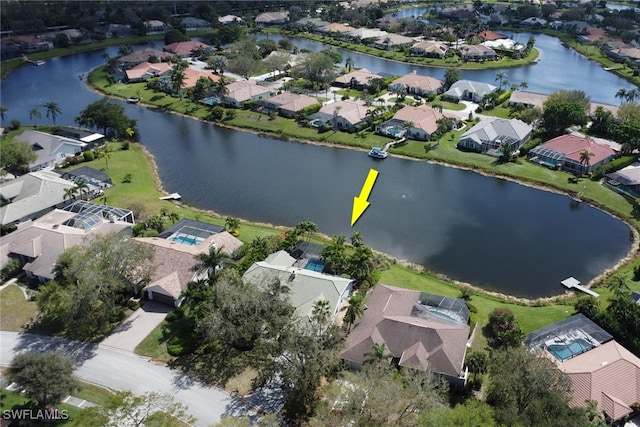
{"x": 565, "y": 152}
{"x": 357, "y": 79}
{"x": 419, "y": 330}
{"x": 392, "y": 40}
{"x": 288, "y": 104}
{"x": 192, "y": 76}
{"x": 192, "y": 23}
{"x": 37, "y": 244}
{"x": 527, "y": 99}
{"x": 626, "y": 181}
{"x": 477, "y": 53}
{"x": 468, "y": 90}
{"x": 306, "y": 286}
{"x": 366, "y": 35}
{"x": 335, "y": 27}
{"x": 504, "y": 44}
{"x": 490, "y": 133}
{"x": 143, "y": 55}
{"x": 343, "y": 115}
{"x": 230, "y": 19}
{"x": 241, "y": 91}
{"x": 419, "y": 123}
{"x": 186, "y": 49}
{"x": 415, "y": 84}
{"x": 599, "y": 368}
{"x": 271, "y": 18}
{"x": 534, "y": 22}
{"x": 146, "y": 70}
{"x": 156, "y": 26}
{"x": 30, "y": 44}
{"x": 488, "y": 35}
{"x": 50, "y": 149}
{"x": 430, "y": 48}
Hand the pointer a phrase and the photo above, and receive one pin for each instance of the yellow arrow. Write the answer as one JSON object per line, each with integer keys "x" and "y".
{"x": 360, "y": 203}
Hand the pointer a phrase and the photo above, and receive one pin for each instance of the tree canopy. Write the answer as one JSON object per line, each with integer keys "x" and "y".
{"x": 45, "y": 377}
{"x": 15, "y": 156}
{"x": 108, "y": 117}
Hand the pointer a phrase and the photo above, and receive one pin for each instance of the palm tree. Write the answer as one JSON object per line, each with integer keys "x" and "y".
{"x": 70, "y": 193}
{"x": 632, "y": 95}
{"x": 209, "y": 261}
{"x": 356, "y": 239}
{"x": 106, "y": 155}
{"x": 502, "y": 80}
{"x": 3, "y": 113}
{"x": 106, "y": 57}
{"x": 354, "y": 310}
{"x": 619, "y": 287}
{"x": 350, "y": 63}
{"x": 232, "y": 225}
{"x": 465, "y": 292}
{"x": 82, "y": 187}
{"x": 321, "y": 314}
{"x": 53, "y": 109}
{"x": 506, "y": 152}
{"x": 477, "y": 362}
{"x": 585, "y": 159}
{"x": 524, "y": 85}
{"x": 622, "y": 94}
{"x": 377, "y": 354}
{"x": 177, "y": 78}
{"x": 35, "y": 113}
{"x": 361, "y": 264}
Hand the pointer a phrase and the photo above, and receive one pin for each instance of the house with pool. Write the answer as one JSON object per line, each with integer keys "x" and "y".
{"x": 565, "y": 152}
{"x": 416, "y": 84}
{"x": 174, "y": 258}
{"x": 469, "y": 90}
{"x": 357, "y": 79}
{"x": 414, "y": 122}
{"x": 305, "y": 280}
{"x": 345, "y": 115}
{"x": 420, "y": 331}
{"x": 599, "y": 368}
{"x": 490, "y": 133}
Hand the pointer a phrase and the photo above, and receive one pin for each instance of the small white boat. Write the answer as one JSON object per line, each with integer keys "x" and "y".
{"x": 133, "y": 100}
{"x": 378, "y": 153}
{"x": 40, "y": 62}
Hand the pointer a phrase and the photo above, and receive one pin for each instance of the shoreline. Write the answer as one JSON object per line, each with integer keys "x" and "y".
{"x": 596, "y": 281}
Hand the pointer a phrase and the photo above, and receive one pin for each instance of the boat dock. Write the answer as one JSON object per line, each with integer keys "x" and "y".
{"x": 390, "y": 144}
{"x": 573, "y": 283}
{"x": 172, "y": 196}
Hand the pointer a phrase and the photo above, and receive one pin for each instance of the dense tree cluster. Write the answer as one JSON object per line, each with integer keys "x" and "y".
{"x": 109, "y": 117}
{"x": 15, "y": 156}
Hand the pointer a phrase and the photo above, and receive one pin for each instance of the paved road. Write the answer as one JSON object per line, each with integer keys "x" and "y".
{"x": 122, "y": 370}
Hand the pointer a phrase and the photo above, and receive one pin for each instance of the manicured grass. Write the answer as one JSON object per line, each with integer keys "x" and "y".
{"x": 15, "y": 310}
{"x": 93, "y": 393}
{"x": 11, "y": 399}
{"x": 155, "y": 344}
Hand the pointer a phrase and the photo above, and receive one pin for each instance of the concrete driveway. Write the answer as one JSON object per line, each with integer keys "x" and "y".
{"x": 140, "y": 324}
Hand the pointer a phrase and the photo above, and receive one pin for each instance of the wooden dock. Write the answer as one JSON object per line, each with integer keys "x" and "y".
{"x": 172, "y": 196}
{"x": 573, "y": 283}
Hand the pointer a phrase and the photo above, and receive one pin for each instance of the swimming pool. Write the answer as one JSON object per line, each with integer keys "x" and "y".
{"x": 315, "y": 264}
{"x": 185, "y": 240}
{"x": 566, "y": 351}
{"x": 394, "y": 131}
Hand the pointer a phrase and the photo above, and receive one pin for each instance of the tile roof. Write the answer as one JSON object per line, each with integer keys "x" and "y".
{"x": 572, "y": 145}
{"x": 353, "y": 112}
{"x": 147, "y": 68}
{"x": 48, "y": 147}
{"x": 431, "y": 46}
{"x": 292, "y": 101}
{"x": 269, "y": 17}
{"x": 477, "y": 50}
{"x": 362, "y": 76}
{"x": 192, "y": 76}
{"x": 143, "y": 55}
{"x": 336, "y": 28}
{"x": 489, "y": 129}
{"x": 185, "y": 48}
{"x": 422, "y": 116}
{"x": 490, "y": 35}
{"x": 418, "y": 341}
{"x": 461, "y": 86}
{"x": 609, "y": 374}
{"x": 306, "y": 286}
{"x": 244, "y": 90}
{"x": 424, "y": 83}
{"x": 528, "y": 98}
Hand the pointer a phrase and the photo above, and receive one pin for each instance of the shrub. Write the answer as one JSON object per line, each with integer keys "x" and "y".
{"x": 11, "y": 268}
{"x": 179, "y": 345}
{"x": 133, "y": 305}
{"x": 139, "y": 229}
{"x": 174, "y": 314}
{"x": 125, "y": 145}
{"x": 118, "y": 315}
{"x": 15, "y": 124}
{"x": 89, "y": 155}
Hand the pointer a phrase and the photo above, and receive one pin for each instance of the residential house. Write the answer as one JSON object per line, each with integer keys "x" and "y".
{"x": 145, "y": 71}
{"x": 38, "y": 244}
{"x": 430, "y": 48}
{"x": 357, "y": 79}
{"x": 192, "y": 23}
{"x": 566, "y": 152}
{"x": 306, "y": 286}
{"x": 468, "y": 90}
{"x": 600, "y": 369}
{"x": 622, "y": 51}
{"x": 90, "y": 175}
{"x": 392, "y": 40}
{"x": 419, "y": 330}
{"x": 50, "y": 149}
{"x": 416, "y": 84}
{"x": 272, "y": 18}
{"x": 367, "y": 34}
{"x": 239, "y": 92}
{"x": 92, "y": 139}
{"x": 143, "y": 55}
{"x": 477, "y": 53}
{"x": 186, "y": 49}
{"x": 458, "y": 13}
{"x": 490, "y": 133}
{"x": 626, "y": 181}
{"x": 175, "y": 252}
{"x": 230, "y": 19}
{"x": 335, "y": 27}
{"x": 527, "y": 99}
{"x": 488, "y": 35}
{"x": 418, "y": 123}
{"x": 343, "y": 115}
{"x": 593, "y": 34}
{"x": 114, "y": 30}
{"x": 534, "y": 22}
{"x": 311, "y": 24}
{"x": 386, "y": 22}
{"x": 504, "y": 44}
{"x": 288, "y": 104}
{"x": 30, "y": 44}
{"x": 156, "y": 26}
{"x": 192, "y": 76}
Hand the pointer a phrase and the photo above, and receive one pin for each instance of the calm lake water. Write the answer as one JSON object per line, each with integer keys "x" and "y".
{"x": 496, "y": 234}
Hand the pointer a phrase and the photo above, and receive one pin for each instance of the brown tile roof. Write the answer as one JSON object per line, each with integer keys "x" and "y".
{"x": 191, "y": 77}
{"x": 431, "y": 46}
{"x": 422, "y": 116}
{"x": 418, "y": 341}
{"x": 490, "y": 35}
{"x": 353, "y": 112}
{"x": 362, "y": 76}
{"x": 609, "y": 374}
{"x": 528, "y": 98}
{"x": 148, "y": 68}
{"x": 336, "y": 28}
{"x": 241, "y": 90}
{"x": 292, "y": 101}
{"x": 572, "y": 145}
{"x": 143, "y": 55}
{"x": 424, "y": 83}
{"x": 185, "y": 48}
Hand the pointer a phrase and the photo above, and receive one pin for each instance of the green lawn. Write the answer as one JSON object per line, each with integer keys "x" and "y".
{"x": 155, "y": 344}
{"x": 15, "y": 310}
{"x": 13, "y": 400}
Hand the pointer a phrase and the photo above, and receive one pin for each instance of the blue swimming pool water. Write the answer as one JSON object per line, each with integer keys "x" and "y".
{"x": 567, "y": 351}
{"x": 185, "y": 240}
{"x": 315, "y": 264}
